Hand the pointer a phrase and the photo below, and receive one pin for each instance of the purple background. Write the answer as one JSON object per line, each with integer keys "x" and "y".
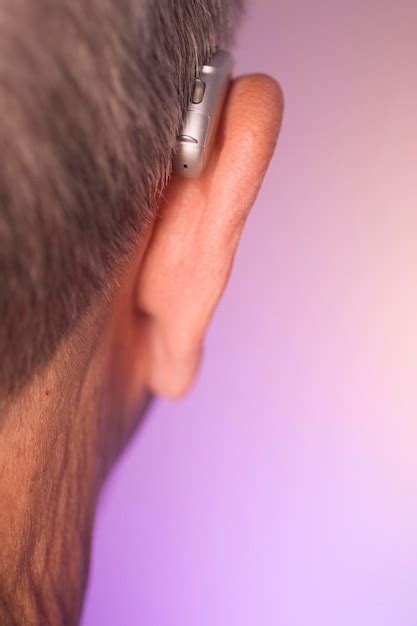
{"x": 283, "y": 490}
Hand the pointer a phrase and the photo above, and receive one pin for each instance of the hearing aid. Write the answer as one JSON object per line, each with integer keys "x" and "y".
{"x": 196, "y": 138}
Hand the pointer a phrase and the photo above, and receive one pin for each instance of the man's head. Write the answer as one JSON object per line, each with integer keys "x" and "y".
{"x": 92, "y": 95}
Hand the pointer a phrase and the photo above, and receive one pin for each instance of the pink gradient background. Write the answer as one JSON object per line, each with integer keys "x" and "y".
{"x": 283, "y": 490}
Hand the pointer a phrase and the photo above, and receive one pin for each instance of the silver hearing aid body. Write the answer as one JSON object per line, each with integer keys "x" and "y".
{"x": 196, "y": 138}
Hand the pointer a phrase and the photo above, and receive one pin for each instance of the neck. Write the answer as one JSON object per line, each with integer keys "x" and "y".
{"x": 50, "y": 477}
{"x": 58, "y": 439}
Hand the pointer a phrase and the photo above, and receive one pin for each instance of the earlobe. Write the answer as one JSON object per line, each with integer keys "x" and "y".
{"x": 191, "y": 251}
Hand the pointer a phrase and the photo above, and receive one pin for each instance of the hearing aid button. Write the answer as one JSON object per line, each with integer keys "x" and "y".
{"x": 199, "y": 91}
{"x": 187, "y": 139}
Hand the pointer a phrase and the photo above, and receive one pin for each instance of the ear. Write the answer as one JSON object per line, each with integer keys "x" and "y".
{"x": 191, "y": 250}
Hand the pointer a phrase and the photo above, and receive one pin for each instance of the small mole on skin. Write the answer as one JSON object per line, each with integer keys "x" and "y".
{"x": 47, "y": 392}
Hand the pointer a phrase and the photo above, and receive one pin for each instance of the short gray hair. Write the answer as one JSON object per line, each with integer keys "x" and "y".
{"x": 91, "y": 97}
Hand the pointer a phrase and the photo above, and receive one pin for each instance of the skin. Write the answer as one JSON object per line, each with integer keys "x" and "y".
{"x": 60, "y": 437}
